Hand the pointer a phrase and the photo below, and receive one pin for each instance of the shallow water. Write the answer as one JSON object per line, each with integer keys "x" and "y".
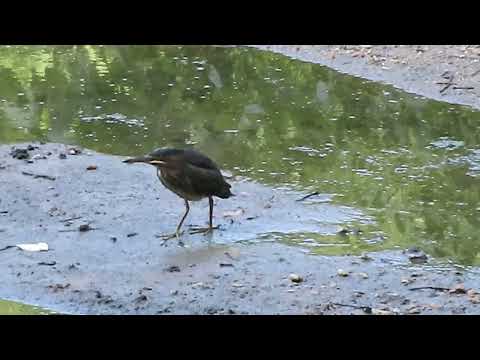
{"x": 411, "y": 164}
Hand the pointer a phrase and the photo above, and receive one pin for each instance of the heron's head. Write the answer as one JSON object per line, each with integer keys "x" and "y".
{"x": 164, "y": 157}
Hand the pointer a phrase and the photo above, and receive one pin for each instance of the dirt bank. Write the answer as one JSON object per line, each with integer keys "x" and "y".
{"x": 425, "y": 70}
{"x": 119, "y": 267}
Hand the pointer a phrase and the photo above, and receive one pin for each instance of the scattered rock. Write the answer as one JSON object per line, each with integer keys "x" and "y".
{"x": 366, "y": 257}
{"x": 234, "y": 213}
{"x": 113, "y": 238}
{"x": 173, "y": 268}
{"x": 414, "y": 310}
{"x": 200, "y": 285}
{"x": 84, "y": 227}
{"x": 363, "y": 275}
{"x": 58, "y": 287}
{"x": 38, "y": 157}
{"x": 62, "y": 156}
{"x": 458, "y": 289}
{"x": 74, "y": 151}
{"x": 295, "y": 278}
{"x": 382, "y": 312}
{"x": 141, "y": 298}
{"x": 20, "y": 154}
{"x": 418, "y": 259}
{"x": 473, "y": 296}
{"x": 341, "y": 272}
{"x": 416, "y": 256}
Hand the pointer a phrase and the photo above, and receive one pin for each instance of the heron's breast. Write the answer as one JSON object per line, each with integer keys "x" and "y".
{"x": 177, "y": 186}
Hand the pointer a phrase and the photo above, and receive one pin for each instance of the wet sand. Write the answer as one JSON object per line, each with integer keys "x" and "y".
{"x": 120, "y": 267}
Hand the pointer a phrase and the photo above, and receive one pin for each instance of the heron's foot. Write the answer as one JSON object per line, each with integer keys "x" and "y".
{"x": 205, "y": 231}
{"x": 167, "y": 237}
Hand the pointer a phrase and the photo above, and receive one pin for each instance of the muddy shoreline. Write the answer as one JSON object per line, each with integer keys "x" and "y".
{"x": 119, "y": 267}
{"x": 424, "y": 70}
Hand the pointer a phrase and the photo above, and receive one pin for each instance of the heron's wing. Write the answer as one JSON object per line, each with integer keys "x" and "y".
{"x": 207, "y": 182}
{"x": 199, "y": 160}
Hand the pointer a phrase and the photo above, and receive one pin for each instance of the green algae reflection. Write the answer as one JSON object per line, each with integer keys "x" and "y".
{"x": 411, "y": 164}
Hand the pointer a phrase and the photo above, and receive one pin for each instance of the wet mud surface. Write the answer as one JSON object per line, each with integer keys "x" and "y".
{"x": 425, "y": 70}
{"x": 105, "y": 257}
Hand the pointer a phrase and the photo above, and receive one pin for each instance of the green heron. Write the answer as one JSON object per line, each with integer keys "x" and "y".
{"x": 189, "y": 174}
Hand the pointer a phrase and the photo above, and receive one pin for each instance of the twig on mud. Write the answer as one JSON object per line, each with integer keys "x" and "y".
{"x": 229, "y": 256}
{"x": 7, "y": 247}
{"x": 81, "y": 228}
{"x": 226, "y": 265}
{"x": 35, "y": 176}
{"x": 449, "y": 77}
{"x": 48, "y": 263}
{"x": 463, "y": 88}
{"x": 475, "y": 73}
{"x": 308, "y": 196}
{"x": 429, "y": 287}
{"x": 366, "y": 309}
{"x": 447, "y": 85}
{"x": 71, "y": 219}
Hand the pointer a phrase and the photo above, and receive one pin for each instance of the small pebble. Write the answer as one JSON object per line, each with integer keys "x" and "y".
{"x": 173, "y": 268}
{"x": 295, "y": 278}
{"x": 365, "y": 257}
{"x": 38, "y": 157}
{"x": 414, "y": 310}
{"x": 141, "y": 298}
{"x": 84, "y": 227}
{"x": 341, "y": 272}
{"x": 74, "y": 151}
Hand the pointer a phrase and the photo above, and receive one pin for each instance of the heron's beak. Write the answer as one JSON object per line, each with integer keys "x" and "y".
{"x": 139, "y": 159}
{"x": 157, "y": 162}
